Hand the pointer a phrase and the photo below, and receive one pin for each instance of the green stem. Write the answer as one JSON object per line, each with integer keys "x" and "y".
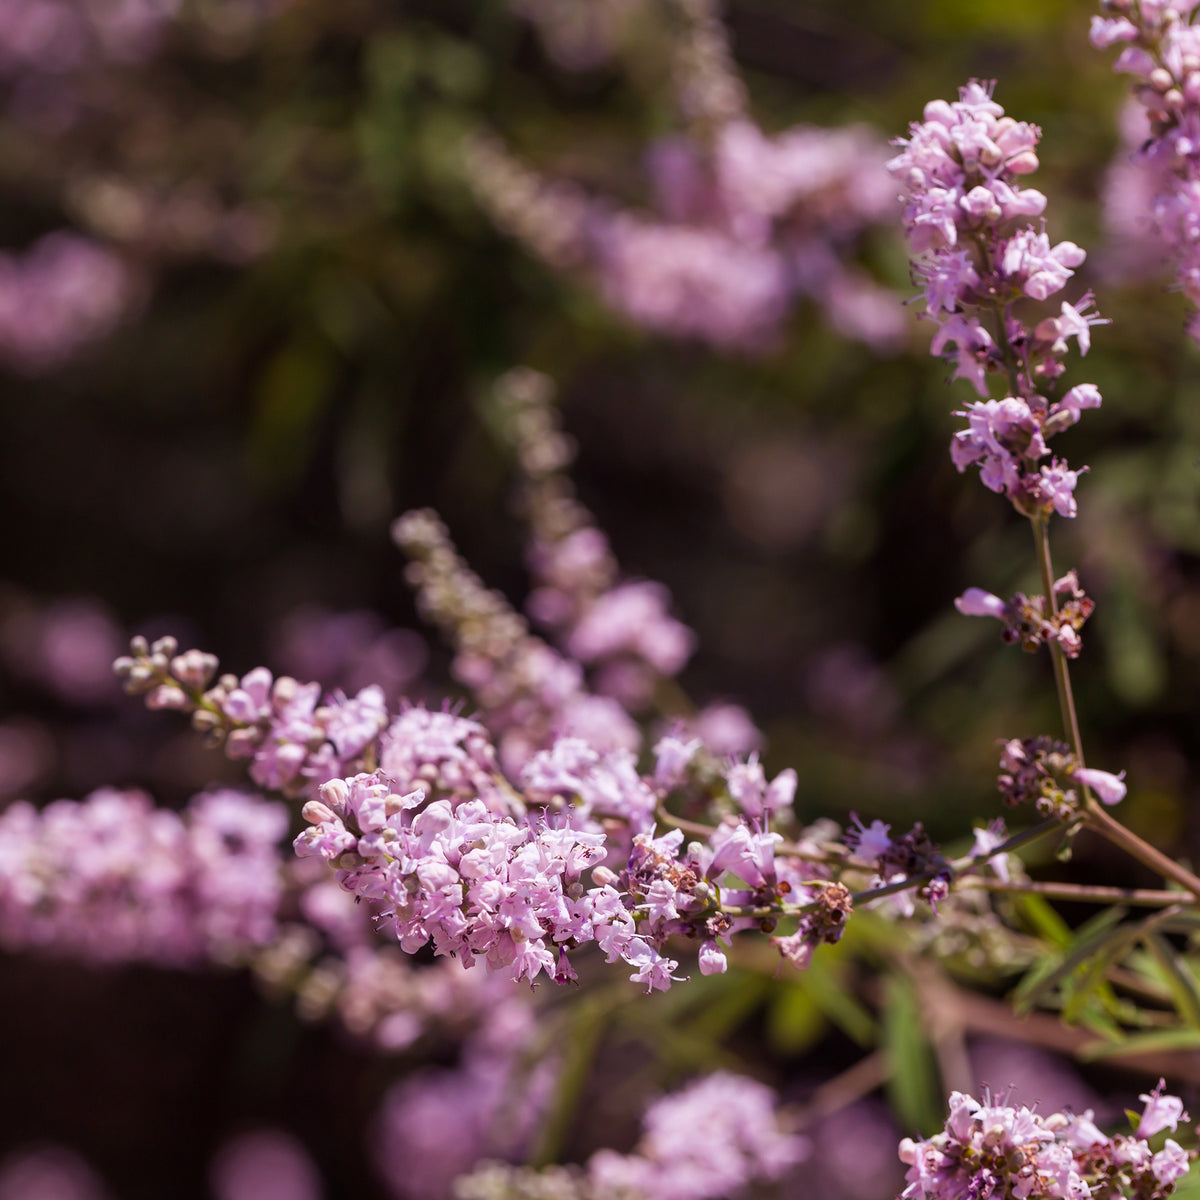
{"x": 1095, "y": 816}
{"x": 1062, "y": 675}
{"x": 583, "y": 1038}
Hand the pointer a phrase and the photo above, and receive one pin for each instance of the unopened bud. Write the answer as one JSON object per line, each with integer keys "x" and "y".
{"x": 204, "y": 720}
{"x": 336, "y": 794}
{"x": 167, "y": 696}
{"x": 316, "y": 813}
{"x": 603, "y": 877}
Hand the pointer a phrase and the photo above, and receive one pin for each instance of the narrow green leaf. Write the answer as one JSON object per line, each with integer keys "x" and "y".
{"x": 838, "y": 1003}
{"x": 1176, "y": 976}
{"x": 1089, "y": 939}
{"x": 1142, "y": 1043}
{"x": 1042, "y": 919}
{"x": 721, "y": 1017}
{"x": 913, "y": 1087}
{"x": 794, "y": 1020}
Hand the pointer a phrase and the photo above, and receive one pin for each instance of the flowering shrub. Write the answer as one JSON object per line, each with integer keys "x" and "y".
{"x": 530, "y": 909}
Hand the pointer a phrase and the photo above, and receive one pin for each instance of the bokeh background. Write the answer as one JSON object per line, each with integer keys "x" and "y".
{"x": 262, "y": 264}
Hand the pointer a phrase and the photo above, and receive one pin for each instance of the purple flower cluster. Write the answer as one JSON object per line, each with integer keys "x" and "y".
{"x": 713, "y": 1139}
{"x": 718, "y": 1138}
{"x": 487, "y": 1106}
{"x": 60, "y": 294}
{"x": 474, "y": 883}
{"x": 621, "y": 630}
{"x": 114, "y": 879}
{"x": 993, "y": 1150}
{"x": 1045, "y": 772}
{"x": 1025, "y": 619}
{"x": 526, "y": 690}
{"x": 293, "y": 740}
{"x": 747, "y": 224}
{"x": 511, "y": 889}
{"x": 983, "y": 263}
{"x": 1160, "y": 48}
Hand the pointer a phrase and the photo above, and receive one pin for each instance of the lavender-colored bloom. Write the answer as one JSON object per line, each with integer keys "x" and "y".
{"x": 967, "y": 220}
{"x": 870, "y": 842}
{"x": 1161, "y": 1111}
{"x": 113, "y": 879}
{"x": 749, "y": 223}
{"x": 66, "y": 647}
{"x": 691, "y": 282}
{"x": 266, "y": 1165}
{"x": 996, "y": 1149}
{"x": 1110, "y": 789}
{"x": 1172, "y": 1162}
{"x": 987, "y": 839}
{"x": 711, "y": 1140}
{"x": 726, "y": 729}
{"x": 672, "y": 754}
{"x": 1160, "y": 50}
{"x": 975, "y": 602}
{"x": 59, "y": 295}
{"x": 49, "y": 1173}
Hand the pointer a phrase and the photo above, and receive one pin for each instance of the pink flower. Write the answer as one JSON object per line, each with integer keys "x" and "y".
{"x": 1109, "y": 789}
{"x": 1161, "y": 1112}
{"x": 975, "y": 602}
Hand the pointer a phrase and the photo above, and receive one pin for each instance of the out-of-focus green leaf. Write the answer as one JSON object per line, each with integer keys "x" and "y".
{"x": 719, "y": 1018}
{"x": 837, "y": 1002}
{"x": 794, "y": 1019}
{"x": 913, "y": 1087}
{"x": 291, "y": 396}
{"x": 1155, "y": 1041}
{"x": 1135, "y": 661}
{"x": 1091, "y": 938}
{"x": 1177, "y": 977}
{"x": 1042, "y": 918}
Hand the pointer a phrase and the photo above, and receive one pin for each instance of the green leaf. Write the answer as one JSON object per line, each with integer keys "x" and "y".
{"x": 913, "y": 1086}
{"x": 794, "y": 1019}
{"x": 1089, "y": 939}
{"x": 820, "y": 981}
{"x": 1177, "y": 977}
{"x": 1043, "y": 919}
{"x": 721, "y": 1017}
{"x": 1142, "y": 1043}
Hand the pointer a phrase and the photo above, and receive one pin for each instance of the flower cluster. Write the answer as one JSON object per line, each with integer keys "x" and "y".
{"x": 1044, "y": 772}
{"x": 474, "y": 883}
{"x": 982, "y": 262}
{"x": 707, "y": 1141}
{"x": 1027, "y": 622}
{"x": 995, "y": 1149}
{"x": 114, "y": 879}
{"x": 746, "y": 225}
{"x": 525, "y": 688}
{"x": 294, "y": 740}
{"x": 895, "y": 859}
{"x": 621, "y": 629}
{"x": 1160, "y": 48}
{"x": 511, "y": 891}
{"x": 60, "y": 294}
{"x": 715, "y": 1138}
